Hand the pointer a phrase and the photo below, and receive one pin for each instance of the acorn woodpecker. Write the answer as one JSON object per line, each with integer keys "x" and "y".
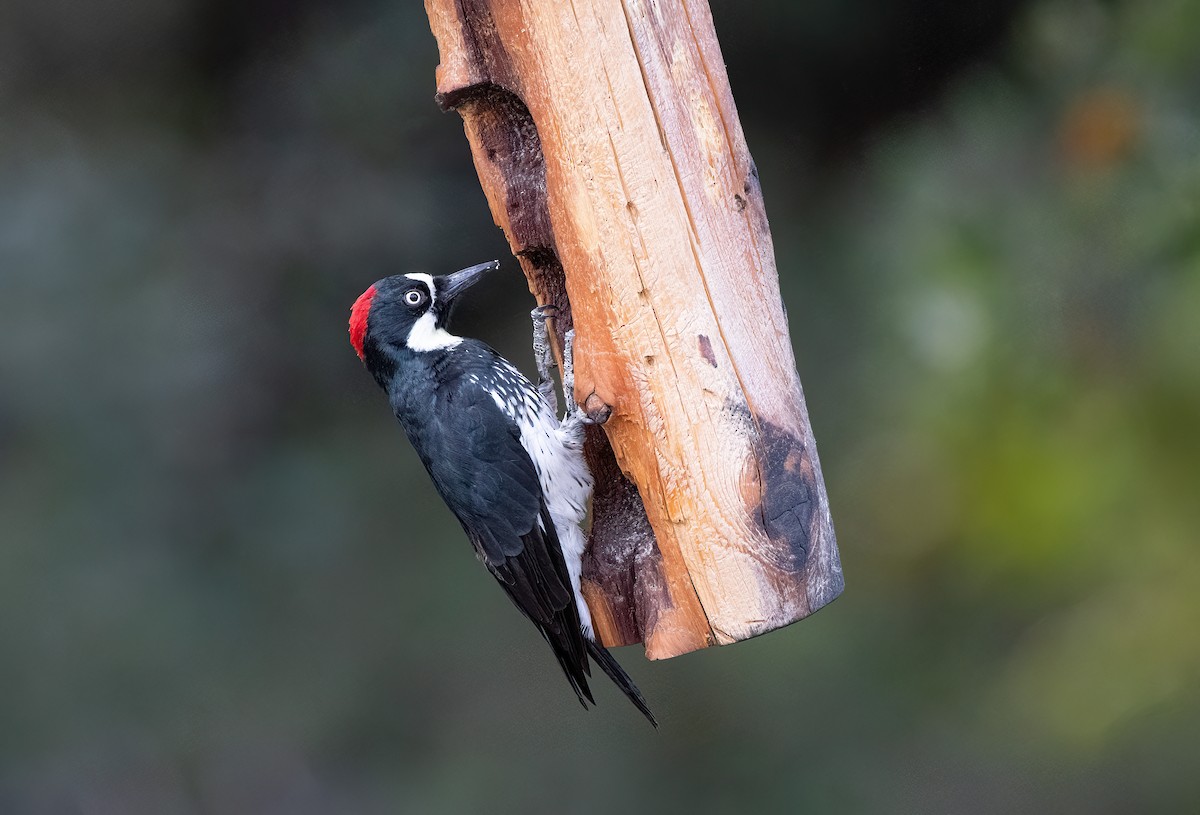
{"x": 507, "y": 467}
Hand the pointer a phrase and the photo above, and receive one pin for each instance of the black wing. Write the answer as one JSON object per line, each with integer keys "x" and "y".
{"x": 473, "y": 453}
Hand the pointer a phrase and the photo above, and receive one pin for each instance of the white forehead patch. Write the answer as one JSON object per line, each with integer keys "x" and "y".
{"x": 427, "y": 279}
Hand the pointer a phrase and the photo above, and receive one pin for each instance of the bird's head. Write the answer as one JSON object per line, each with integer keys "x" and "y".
{"x": 409, "y": 311}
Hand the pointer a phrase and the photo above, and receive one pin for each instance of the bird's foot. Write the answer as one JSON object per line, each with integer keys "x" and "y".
{"x": 542, "y": 354}
{"x": 575, "y": 411}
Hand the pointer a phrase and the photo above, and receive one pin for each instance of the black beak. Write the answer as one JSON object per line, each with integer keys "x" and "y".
{"x": 451, "y": 286}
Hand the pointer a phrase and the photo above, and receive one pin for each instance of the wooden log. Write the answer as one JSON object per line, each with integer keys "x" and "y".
{"x": 606, "y": 140}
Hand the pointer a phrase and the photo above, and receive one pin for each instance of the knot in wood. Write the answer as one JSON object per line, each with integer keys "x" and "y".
{"x": 597, "y": 410}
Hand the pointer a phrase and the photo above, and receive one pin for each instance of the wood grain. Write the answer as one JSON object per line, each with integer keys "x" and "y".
{"x": 608, "y": 145}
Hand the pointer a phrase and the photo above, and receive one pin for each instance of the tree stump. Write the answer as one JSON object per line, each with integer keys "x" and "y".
{"x": 607, "y": 142}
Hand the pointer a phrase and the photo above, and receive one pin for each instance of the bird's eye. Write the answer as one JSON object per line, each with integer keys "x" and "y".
{"x": 414, "y": 297}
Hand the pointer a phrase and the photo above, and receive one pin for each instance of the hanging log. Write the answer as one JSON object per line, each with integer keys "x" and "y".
{"x": 607, "y": 142}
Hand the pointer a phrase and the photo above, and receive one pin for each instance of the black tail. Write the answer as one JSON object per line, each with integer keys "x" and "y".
{"x": 617, "y": 674}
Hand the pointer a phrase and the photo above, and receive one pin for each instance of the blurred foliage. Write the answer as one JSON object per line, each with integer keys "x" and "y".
{"x": 226, "y": 585}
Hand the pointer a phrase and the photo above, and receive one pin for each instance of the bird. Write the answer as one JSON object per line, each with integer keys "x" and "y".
{"x": 505, "y": 464}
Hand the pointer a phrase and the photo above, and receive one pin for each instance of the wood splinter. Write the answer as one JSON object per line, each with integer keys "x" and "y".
{"x": 610, "y": 151}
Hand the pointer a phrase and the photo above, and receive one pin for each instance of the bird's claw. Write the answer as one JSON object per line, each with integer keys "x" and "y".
{"x": 545, "y": 361}
{"x": 543, "y": 355}
{"x": 568, "y": 378}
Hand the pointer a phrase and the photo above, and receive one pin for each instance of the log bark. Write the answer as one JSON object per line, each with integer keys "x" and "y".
{"x": 607, "y": 142}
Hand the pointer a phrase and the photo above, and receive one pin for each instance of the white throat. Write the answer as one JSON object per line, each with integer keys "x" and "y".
{"x": 426, "y": 335}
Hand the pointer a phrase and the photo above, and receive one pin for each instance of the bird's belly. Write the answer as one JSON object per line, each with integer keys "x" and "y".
{"x": 561, "y": 469}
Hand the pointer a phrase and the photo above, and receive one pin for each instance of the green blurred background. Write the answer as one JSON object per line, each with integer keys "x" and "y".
{"x": 226, "y": 585}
